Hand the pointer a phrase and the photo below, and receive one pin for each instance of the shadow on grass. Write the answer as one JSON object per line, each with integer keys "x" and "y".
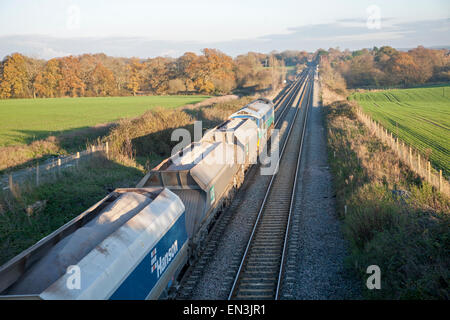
{"x": 71, "y": 139}
{"x": 51, "y": 145}
{"x": 65, "y": 195}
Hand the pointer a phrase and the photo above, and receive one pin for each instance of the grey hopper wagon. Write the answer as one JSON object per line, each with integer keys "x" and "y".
{"x": 203, "y": 176}
{"x": 243, "y": 134}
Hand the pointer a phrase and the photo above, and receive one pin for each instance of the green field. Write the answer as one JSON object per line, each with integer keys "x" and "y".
{"x": 419, "y": 116}
{"x": 25, "y": 120}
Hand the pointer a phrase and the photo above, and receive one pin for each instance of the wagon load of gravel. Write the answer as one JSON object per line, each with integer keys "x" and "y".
{"x": 71, "y": 249}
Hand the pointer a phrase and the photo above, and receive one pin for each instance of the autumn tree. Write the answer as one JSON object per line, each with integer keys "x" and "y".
{"x": 118, "y": 66}
{"x": 101, "y": 81}
{"x": 198, "y": 70}
{"x": 245, "y": 69}
{"x": 70, "y": 83}
{"x": 423, "y": 58}
{"x": 33, "y": 68}
{"x": 441, "y": 68}
{"x": 47, "y": 82}
{"x": 219, "y": 70}
{"x": 403, "y": 68}
{"x": 186, "y": 69}
{"x": 331, "y": 78}
{"x": 156, "y": 75}
{"x": 258, "y": 71}
{"x": 14, "y": 79}
{"x": 431, "y": 64}
{"x": 293, "y": 57}
{"x": 362, "y": 71}
{"x": 135, "y": 76}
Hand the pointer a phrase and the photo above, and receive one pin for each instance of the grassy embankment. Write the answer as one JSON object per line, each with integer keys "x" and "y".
{"x": 36, "y": 128}
{"x": 394, "y": 219}
{"x": 136, "y": 145}
{"x": 420, "y": 117}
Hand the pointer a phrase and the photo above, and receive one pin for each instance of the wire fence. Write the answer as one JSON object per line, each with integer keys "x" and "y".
{"x": 48, "y": 169}
{"x": 408, "y": 155}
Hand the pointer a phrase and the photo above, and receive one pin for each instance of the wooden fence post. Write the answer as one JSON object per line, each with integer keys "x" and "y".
{"x": 10, "y": 181}
{"x": 410, "y": 156}
{"x": 418, "y": 161}
{"x": 37, "y": 173}
{"x": 59, "y": 165}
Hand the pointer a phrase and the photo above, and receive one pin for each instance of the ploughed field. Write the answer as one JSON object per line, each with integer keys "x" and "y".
{"x": 419, "y": 116}
{"x": 25, "y": 120}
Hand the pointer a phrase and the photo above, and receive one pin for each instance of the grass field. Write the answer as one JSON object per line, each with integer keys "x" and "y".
{"x": 25, "y": 120}
{"x": 419, "y": 116}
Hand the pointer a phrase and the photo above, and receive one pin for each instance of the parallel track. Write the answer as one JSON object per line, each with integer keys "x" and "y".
{"x": 261, "y": 268}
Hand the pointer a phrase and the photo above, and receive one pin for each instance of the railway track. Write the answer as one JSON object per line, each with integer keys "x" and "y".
{"x": 283, "y": 110}
{"x": 281, "y": 102}
{"x": 261, "y": 269}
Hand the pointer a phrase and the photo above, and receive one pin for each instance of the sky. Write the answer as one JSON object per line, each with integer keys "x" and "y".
{"x": 50, "y": 28}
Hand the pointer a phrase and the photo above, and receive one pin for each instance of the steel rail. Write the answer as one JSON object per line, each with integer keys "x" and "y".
{"x": 290, "y": 90}
{"x": 286, "y": 234}
{"x": 290, "y": 98}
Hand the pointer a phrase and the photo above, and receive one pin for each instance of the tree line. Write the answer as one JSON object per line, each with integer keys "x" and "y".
{"x": 92, "y": 75}
{"x": 386, "y": 66}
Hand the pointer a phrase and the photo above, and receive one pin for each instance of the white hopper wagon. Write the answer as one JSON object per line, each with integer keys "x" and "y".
{"x": 127, "y": 246}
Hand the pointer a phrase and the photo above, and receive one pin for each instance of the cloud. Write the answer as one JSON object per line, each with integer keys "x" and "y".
{"x": 364, "y": 37}
{"x": 48, "y": 53}
{"x": 34, "y": 46}
{"x": 354, "y": 34}
{"x": 345, "y": 33}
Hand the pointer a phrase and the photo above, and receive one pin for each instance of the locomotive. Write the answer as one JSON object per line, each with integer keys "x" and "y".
{"x": 136, "y": 242}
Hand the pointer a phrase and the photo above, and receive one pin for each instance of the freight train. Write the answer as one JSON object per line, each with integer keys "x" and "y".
{"x": 136, "y": 242}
